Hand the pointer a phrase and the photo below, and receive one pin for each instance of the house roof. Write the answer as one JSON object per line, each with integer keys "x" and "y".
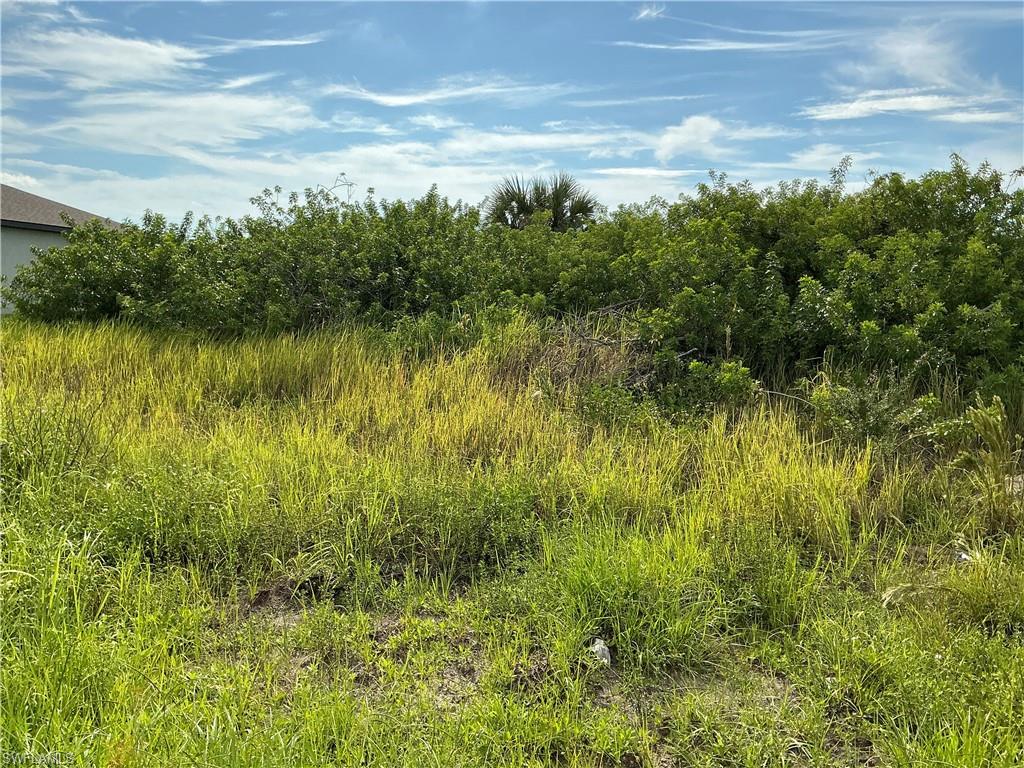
{"x": 19, "y": 208}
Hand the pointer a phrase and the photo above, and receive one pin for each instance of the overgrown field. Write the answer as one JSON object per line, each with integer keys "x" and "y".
{"x": 328, "y": 549}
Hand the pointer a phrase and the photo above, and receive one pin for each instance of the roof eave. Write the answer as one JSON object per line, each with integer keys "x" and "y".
{"x": 33, "y": 225}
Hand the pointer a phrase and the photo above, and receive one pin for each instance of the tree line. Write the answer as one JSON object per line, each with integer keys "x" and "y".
{"x": 923, "y": 274}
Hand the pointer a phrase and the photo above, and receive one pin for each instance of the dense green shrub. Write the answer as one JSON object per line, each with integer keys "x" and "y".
{"x": 701, "y": 386}
{"x": 922, "y": 276}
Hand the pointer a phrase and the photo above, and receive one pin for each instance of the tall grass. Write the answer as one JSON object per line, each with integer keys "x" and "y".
{"x": 336, "y": 549}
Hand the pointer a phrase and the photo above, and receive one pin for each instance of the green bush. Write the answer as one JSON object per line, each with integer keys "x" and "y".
{"x": 924, "y": 275}
{"x": 699, "y": 386}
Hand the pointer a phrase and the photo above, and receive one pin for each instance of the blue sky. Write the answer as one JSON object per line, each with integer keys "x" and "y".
{"x": 119, "y": 107}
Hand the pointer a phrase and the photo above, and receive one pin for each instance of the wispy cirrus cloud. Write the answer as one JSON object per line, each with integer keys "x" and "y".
{"x": 630, "y": 100}
{"x": 652, "y": 11}
{"x": 739, "y": 39}
{"x": 147, "y": 96}
{"x": 649, "y": 11}
{"x": 794, "y": 33}
{"x": 223, "y": 127}
{"x": 711, "y": 45}
{"x": 246, "y": 80}
{"x": 453, "y": 89}
{"x": 745, "y": 132}
{"x": 908, "y": 54}
{"x": 644, "y": 172}
{"x": 19, "y": 145}
{"x": 961, "y": 14}
{"x": 891, "y": 101}
{"x": 50, "y": 11}
{"x": 436, "y": 122}
{"x": 79, "y": 15}
{"x": 981, "y": 116}
{"x": 90, "y": 59}
{"x": 224, "y": 184}
{"x": 350, "y": 122}
{"x": 820, "y": 157}
{"x": 224, "y": 46}
{"x": 914, "y": 69}
{"x": 596, "y": 141}
{"x": 162, "y": 122}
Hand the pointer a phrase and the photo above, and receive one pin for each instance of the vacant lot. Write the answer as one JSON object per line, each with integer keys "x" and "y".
{"x": 326, "y": 550}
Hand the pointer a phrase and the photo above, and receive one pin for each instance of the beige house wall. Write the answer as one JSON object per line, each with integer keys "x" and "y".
{"x": 16, "y": 249}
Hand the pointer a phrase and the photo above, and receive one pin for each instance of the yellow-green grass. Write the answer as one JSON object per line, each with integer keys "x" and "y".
{"x": 326, "y": 550}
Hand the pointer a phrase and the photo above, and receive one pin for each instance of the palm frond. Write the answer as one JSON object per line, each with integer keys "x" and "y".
{"x": 511, "y": 202}
{"x": 516, "y": 200}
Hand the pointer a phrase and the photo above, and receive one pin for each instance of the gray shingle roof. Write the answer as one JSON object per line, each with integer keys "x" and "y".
{"x": 19, "y": 208}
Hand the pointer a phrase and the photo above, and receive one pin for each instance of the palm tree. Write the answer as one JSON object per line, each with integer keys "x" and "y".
{"x": 516, "y": 200}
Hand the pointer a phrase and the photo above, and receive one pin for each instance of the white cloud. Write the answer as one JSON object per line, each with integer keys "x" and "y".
{"x": 823, "y": 157}
{"x": 707, "y": 137}
{"x": 637, "y": 185}
{"x": 79, "y": 15}
{"x": 978, "y": 14}
{"x": 246, "y": 80}
{"x": 18, "y": 147}
{"x": 710, "y": 44}
{"x": 160, "y": 122}
{"x": 89, "y": 59}
{"x": 460, "y": 88}
{"x": 914, "y": 69}
{"x": 900, "y": 100}
{"x": 593, "y": 140}
{"x": 697, "y": 136}
{"x": 981, "y": 116}
{"x": 575, "y": 125}
{"x": 349, "y": 122}
{"x": 13, "y": 137}
{"x": 645, "y": 172}
{"x": 914, "y": 54}
{"x": 794, "y": 33}
{"x": 44, "y": 10}
{"x": 223, "y": 133}
{"x": 396, "y": 170}
{"x": 21, "y": 180}
{"x": 468, "y": 163}
{"x": 649, "y": 11}
{"x": 815, "y": 161}
{"x": 436, "y": 122}
{"x": 744, "y": 132}
{"x": 43, "y": 167}
{"x": 224, "y": 46}
{"x": 626, "y": 101}
{"x": 224, "y": 184}
{"x": 220, "y": 183}
{"x": 469, "y": 143}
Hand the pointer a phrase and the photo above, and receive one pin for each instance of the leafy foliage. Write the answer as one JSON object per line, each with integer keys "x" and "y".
{"x": 922, "y": 278}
